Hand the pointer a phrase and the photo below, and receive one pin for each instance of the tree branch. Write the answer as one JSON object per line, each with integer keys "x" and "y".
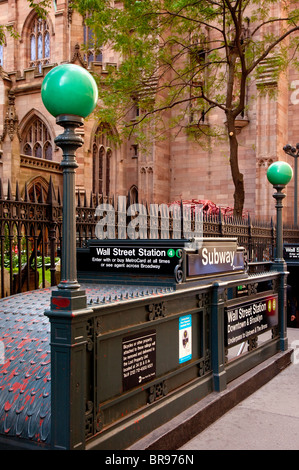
{"x": 269, "y": 49}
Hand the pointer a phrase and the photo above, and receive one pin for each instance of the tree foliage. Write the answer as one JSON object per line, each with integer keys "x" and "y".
{"x": 192, "y": 56}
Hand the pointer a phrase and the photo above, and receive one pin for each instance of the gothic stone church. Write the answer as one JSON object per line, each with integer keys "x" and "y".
{"x": 173, "y": 170}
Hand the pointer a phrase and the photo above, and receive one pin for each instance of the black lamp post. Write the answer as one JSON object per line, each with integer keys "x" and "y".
{"x": 294, "y": 152}
{"x": 70, "y": 94}
{"x": 279, "y": 174}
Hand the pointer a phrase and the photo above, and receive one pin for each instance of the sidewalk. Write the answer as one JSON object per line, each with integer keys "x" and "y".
{"x": 266, "y": 420}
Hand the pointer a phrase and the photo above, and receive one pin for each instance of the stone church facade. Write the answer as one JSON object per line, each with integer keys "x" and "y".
{"x": 175, "y": 169}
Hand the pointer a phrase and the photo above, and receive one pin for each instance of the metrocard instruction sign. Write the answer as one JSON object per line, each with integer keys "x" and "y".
{"x": 248, "y": 319}
{"x": 135, "y": 259}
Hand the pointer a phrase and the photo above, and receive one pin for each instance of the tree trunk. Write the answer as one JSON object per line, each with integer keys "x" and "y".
{"x": 238, "y": 180}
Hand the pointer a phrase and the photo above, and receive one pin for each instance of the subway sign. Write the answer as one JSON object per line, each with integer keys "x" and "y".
{"x": 248, "y": 319}
{"x": 291, "y": 252}
{"x": 212, "y": 257}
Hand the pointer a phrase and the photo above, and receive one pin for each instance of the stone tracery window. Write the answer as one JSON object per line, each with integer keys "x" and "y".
{"x": 102, "y": 155}
{"x": 37, "y": 140}
{"x": 93, "y": 51}
{"x": 39, "y": 43}
{"x": 1, "y": 55}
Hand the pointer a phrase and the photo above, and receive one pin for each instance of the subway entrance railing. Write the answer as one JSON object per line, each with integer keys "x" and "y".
{"x": 153, "y": 341}
{"x": 167, "y": 323}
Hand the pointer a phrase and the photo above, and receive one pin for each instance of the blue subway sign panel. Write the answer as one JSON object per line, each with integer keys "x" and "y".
{"x": 185, "y": 338}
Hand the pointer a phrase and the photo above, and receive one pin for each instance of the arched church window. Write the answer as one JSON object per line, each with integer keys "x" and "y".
{"x": 133, "y": 194}
{"x": 36, "y": 186}
{"x": 108, "y": 169}
{"x": 37, "y": 140}
{"x": 1, "y": 55}
{"x": 93, "y": 50}
{"x": 39, "y": 43}
{"x": 102, "y": 155}
{"x": 48, "y": 151}
{"x": 37, "y": 150}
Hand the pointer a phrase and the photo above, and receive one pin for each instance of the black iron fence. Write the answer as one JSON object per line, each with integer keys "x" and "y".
{"x": 30, "y": 231}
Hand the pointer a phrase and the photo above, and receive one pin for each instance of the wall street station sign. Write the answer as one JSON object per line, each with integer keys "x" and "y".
{"x": 248, "y": 319}
{"x": 139, "y": 258}
{"x": 291, "y": 252}
{"x": 179, "y": 260}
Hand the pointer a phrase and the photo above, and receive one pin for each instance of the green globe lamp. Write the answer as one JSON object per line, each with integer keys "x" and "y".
{"x": 69, "y": 89}
{"x": 70, "y": 94}
{"x": 279, "y": 173}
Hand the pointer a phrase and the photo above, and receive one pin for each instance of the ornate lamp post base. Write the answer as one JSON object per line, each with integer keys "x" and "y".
{"x": 279, "y": 261}
{"x": 69, "y": 142}
{"x": 68, "y": 296}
